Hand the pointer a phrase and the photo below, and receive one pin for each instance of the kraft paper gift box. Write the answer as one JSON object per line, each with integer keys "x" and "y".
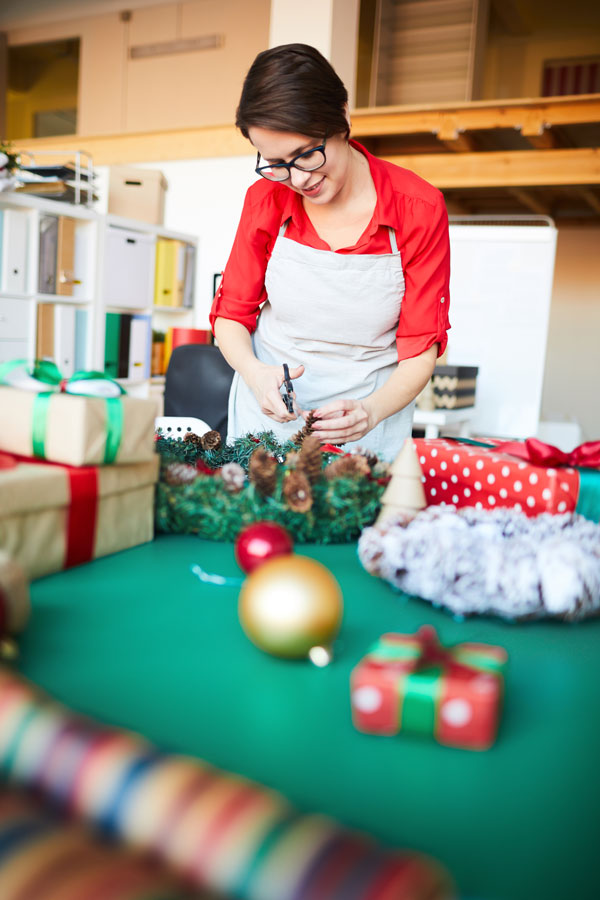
{"x": 53, "y": 517}
{"x": 77, "y": 430}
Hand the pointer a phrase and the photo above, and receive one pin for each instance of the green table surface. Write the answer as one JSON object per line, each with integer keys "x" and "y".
{"x": 136, "y": 640}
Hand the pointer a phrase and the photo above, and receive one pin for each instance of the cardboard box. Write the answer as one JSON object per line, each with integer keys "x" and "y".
{"x": 137, "y": 194}
{"x": 454, "y": 386}
{"x": 77, "y": 430}
{"x": 54, "y": 517}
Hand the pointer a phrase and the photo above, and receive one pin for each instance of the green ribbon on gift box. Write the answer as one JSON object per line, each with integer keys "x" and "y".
{"x": 48, "y": 375}
{"x": 422, "y": 663}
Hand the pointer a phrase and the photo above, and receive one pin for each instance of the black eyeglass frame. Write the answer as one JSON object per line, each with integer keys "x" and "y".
{"x": 291, "y": 165}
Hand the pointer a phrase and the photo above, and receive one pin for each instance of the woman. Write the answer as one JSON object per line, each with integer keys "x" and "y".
{"x": 340, "y": 268}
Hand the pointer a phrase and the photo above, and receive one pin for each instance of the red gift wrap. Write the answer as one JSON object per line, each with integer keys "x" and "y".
{"x": 412, "y": 683}
{"x": 488, "y": 477}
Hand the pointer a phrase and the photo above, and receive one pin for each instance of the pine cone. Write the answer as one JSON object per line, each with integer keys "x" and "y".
{"x": 297, "y": 492}
{"x": 211, "y": 440}
{"x": 262, "y": 471}
{"x": 347, "y": 467}
{"x": 191, "y": 438}
{"x": 371, "y": 457}
{"x": 307, "y": 429}
{"x": 310, "y": 458}
{"x": 179, "y": 473}
{"x": 234, "y": 477}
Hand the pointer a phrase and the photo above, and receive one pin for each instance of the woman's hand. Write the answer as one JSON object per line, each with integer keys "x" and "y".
{"x": 343, "y": 420}
{"x": 265, "y": 383}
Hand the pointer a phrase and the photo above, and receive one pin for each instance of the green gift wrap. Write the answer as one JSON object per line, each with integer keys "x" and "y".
{"x": 412, "y": 683}
{"x": 85, "y": 420}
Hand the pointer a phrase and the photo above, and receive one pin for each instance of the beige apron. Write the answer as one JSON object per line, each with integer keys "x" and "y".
{"x": 336, "y": 314}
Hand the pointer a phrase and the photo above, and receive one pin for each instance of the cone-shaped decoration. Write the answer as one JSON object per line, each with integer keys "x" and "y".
{"x": 404, "y": 495}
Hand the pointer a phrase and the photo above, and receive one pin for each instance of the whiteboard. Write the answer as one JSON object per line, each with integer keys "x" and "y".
{"x": 500, "y": 292}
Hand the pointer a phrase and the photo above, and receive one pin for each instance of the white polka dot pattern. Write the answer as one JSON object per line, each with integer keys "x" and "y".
{"x": 457, "y": 712}
{"x": 466, "y": 475}
{"x": 367, "y": 699}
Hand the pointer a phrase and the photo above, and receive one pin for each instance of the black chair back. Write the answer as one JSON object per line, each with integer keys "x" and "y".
{"x": 197, "y": 384}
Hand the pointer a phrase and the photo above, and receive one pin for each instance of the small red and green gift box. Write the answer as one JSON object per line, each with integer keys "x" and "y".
{"x": 411, "y": 683}
{"x": 530, "y": 476}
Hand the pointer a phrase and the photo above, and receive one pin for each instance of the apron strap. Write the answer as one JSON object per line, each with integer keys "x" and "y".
{"x": 284, "y": 226}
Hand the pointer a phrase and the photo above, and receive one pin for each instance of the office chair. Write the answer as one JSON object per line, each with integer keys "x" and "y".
{"x": 197, "y": 385}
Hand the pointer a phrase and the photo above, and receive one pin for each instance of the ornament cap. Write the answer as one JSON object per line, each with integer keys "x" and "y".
{"x": 320, "y": 656}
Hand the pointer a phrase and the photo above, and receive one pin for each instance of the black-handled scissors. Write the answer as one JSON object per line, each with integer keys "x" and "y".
{"x": 286, "y": 395}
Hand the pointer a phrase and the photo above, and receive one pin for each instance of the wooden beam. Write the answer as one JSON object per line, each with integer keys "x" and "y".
{"x": 450, "y": 118}
{"x": 530, "y": 201}
{"x": 461, "y": 143}
{"x": 457, "y": 207}
{"x": 118, "y": 149}
{"x": 545, "y": 140}
{"x": 590, "y": 198}
{"x": 525, "y": 168}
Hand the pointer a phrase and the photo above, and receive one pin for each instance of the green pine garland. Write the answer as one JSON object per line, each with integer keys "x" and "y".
{"x": 341, "y": 508}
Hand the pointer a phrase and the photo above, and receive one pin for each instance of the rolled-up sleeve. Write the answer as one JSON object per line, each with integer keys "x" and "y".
{"x": 242, "y": 291}
{"x": 424, "y": 317}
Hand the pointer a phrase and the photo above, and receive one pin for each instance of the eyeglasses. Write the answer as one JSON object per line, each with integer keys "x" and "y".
{"x": 305, "y": 162}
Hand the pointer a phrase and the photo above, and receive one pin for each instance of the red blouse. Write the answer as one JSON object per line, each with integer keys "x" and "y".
{"x": 407, "y": 203}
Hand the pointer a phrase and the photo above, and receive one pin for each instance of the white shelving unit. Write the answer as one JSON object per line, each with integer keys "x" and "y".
{"x": 90, "y": 281}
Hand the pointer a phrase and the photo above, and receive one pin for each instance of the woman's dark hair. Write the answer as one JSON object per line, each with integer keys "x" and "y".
{"x": 293, "y": 88}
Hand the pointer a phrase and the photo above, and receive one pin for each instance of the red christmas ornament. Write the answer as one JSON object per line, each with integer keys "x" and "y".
{"x": 259, "y": 542}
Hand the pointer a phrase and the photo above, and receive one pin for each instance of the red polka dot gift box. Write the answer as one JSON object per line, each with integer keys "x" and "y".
{"x": 531, "y": 476}
{"x": 411, "y": 683}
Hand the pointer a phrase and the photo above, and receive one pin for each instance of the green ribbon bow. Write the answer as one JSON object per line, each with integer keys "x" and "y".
{"x": 48, "y": 374}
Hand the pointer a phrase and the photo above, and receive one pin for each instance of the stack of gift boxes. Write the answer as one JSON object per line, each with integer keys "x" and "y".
{"x": 77, "y": 475}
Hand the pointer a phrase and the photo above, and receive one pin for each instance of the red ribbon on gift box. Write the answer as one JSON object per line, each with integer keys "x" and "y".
{"x": 540, "y": 454}
{"x": 82, "y": 513}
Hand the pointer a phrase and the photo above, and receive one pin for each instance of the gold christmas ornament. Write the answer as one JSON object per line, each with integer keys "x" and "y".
{"x": 290, "y": 605}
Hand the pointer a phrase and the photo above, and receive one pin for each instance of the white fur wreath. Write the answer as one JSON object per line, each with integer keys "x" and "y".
{"x": 498, "y": 561}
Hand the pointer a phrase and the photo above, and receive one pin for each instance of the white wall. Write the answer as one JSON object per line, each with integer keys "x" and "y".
{"x": 571, "y": 390}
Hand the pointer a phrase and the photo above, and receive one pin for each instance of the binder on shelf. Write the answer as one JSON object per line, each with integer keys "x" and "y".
{"x": 81, "y": 320}
{"x": 111, "y": 344}
{"x": 14, "y": 252}
{"x": 65, "y": 252}
{"x": 140, "y": 347}
{"x": 124, "y": 339}
{"x": 189, "y": 277}
{"x": 44, "y": 332}
{"x": 48, "y": 254}
{"x": 64, "y": 338}
{"x": 179, "y": 286}
{"x": 165, "y": 278}
{"x": 128, "y": 345}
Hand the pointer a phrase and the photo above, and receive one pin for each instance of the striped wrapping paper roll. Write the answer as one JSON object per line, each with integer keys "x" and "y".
{"x": 221, "y": 831}
{"x": 42, "y": 858}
